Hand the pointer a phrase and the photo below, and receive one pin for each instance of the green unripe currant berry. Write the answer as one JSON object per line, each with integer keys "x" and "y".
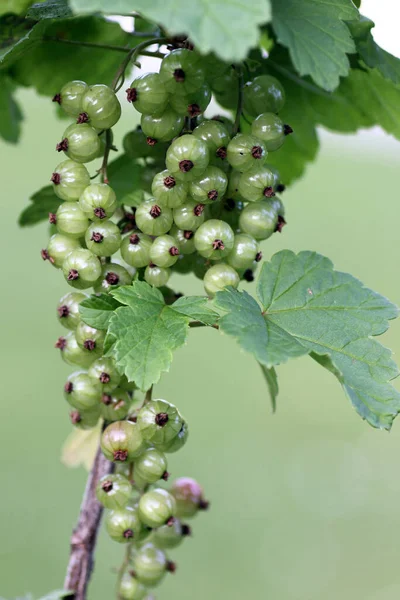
{"x": 103, "y": 239}
{"x": 150, "y": 565}
{"x": 104, "y": 370}
{"x": 89, "y": 338}
{"x": 122, "y": 524}
{"x": 181, "y": 72}
{"x": 100, "y": 106}
{"x": 194, "y": 104}
{"x": 115, "y": 405}
{"x": 81, "y": 268}
{"x": 269, "y": 128}
{"x": 227, "y": 210}
{"x": 80, "y": 143}
{"x": 185, "y": 239}
{"x": 70, "y": 179}
{"x": 189, "y": 497}
{"x": 136, "y": 146}
{"x": 171, "y": 536}
{"x": 162, "y": 128}
{"x": 159, "y": 422}
{"x": 85, "y": 419}
{"x": 98, "y": 201}
{"x": 70, "y": 97}
{"x": 264, "y": 93}
{"x": 178, "y": 441}
{"x": 112, "y": 275}
{"x": 259, "y": 219}
{"x": 164, "y": 251}
{"x": 156, "y": 276}
{"x": 189, "y": 216}
{"x": 58, "y": 248}
{"x": 210, "y": 187}
{"x": 187, "y": 157}
{"x": 217, "y": 138}
{"x": 147, "y": 94}
{"x": 168, "y": 191}
{"x": 68, "y": 309}
{"x": 73, "y": 354}
{"x": 81, "y": 391}
{"x": 135, "y": 249}
{"x": 114, "y": 491}
{"x": 218, "y": 277}
{"x": 130, "y": 588}
{"x": 151, "y": 466}
{"x": 233, "y": 186}
{"x": 214, "y": 239}
{"x": 245, "y": 152}
{"x": 122, "y": 441}
{"x": 225, "y": 89}
{"x": 157, "y": 508}
{"x": 244, "y": 252}
{"x": 257, "y": 184}
{"x": 280, "y": 209}
{"x": 71, "y": 220}
{"x": 153, "y": 219}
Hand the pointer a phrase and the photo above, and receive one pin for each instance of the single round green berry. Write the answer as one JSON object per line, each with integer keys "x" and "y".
{"x": 244, "y": 252}
{"x": 189, "y": 497}
{"x": 263, "y": 93}
{"x": 112, "y": 276}
{"x": 157, "y": 508}
{"x": 114, "y": 491}
{"x": 69, "y": 180}
{"x": 73, "y": 354}
{"x": 178, "y": 441}
{"x": 185, "y": 239}
{"x": 122, "y": 441}
{"x": 218, "y": 277}
{"x": 115, "y": 405}
{"x": 148, "y": 94}
{"x": 68, "y": 309}
{"x": 123, "y": 524}
{"x": 70, "y": 97}
{"x": 181, "y": 72}
{"x": 80, "y": 143}
{"x": 257, "y": 184}
{"x": 194, "y": 104}
{"x": 135, "y": 249}
{"x": 150, "y": 565}
{"x": 187, "y": 157}
{"x": 85, "y": 419}
{"x": 153, "y": 219}
{"x": 214, "y": 239}
{"x": 189, "y": 216}
{"x": 151, "y": 466}
{"x": 269, "y": 128}
{"x": 210, "y": 187}
{"x": 98, "y": 201}
{"x": 130, "y": 588}
{"x": 171, "y": 536}
{"x": 217, "y": 138}
{"x": 162, "y": 128}
{"x": 168, "y": 191}
{"x": 245, "y": 152}
{"x": 259, "y": 219}
{"x": 104, "y": 370}
{"x": 81, "y": 391}
{"x": 159, "y": 422}
{"x": 81, "y": 269}
{"x": 71, "y": 220}
{"x": 59, "y": 248}
{"x": 156, "y": 276}
{"x": 164, "y": 251}
{"x": 88, "y": 337}
{"x": 100, "y": 106}
{"x": 103, "y": 239}
{"x": 233, "y": 186}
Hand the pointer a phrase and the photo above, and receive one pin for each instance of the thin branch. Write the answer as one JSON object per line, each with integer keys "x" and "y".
{"x": 124, "y": 49}
{"x": 119, "y": 78}
{"x": 103, "y": 168}
{"x": 83, "y": 540}
{"x": 239, "y": 109}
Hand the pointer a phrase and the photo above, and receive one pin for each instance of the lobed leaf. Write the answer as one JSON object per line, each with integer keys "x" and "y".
{"x": 271, "y": 379}
{"x": 10, "y": 112}
{"x": 43, "y": 202}
{"x": 97, "y": 310}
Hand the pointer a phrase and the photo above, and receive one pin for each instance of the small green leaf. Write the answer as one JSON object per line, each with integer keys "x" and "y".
{"x": 271, "y": 379}
{"x": 43, "y": 202}
{"x": 17, "y": 36}
{"x": 10, "y": 112}
{"x": 317, "y": 38}
{"x": 97, "y": 311}
{"x": 124, "y": 175}
{"x": 50, "y": 9}
{"x": 197, "y": 308}
{"x": 233, "y": 23}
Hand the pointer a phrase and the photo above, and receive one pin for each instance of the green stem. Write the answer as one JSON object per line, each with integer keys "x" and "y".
{"x": 124, "y": 49}
{"x": 125, "y": 563}
{"x": 133, "y": 53}
{"x": 239, "y": 109}
{"x": 104, "y": 164}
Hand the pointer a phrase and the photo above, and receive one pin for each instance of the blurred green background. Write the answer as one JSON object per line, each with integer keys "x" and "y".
{"x": 304, "y": 503}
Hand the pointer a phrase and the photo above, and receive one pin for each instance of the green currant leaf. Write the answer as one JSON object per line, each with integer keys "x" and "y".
{"x": 228, "y": 27}
{"x": 197, "y": 308}
{"x": 17, "y": 36}
{"x": 10, "y": 112}
{"x": 124, "y": 175}
{"x": 317, "y": 38}
{"x": 43, "y": 202}
{"x": 97, "y": 311}
{"x": 50, "y": 9}
{"x": 307, "y": 307}
{"x": 146, "y": 331}
{"x": 271, "y": 379}
{"x": 14, "y": 6}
